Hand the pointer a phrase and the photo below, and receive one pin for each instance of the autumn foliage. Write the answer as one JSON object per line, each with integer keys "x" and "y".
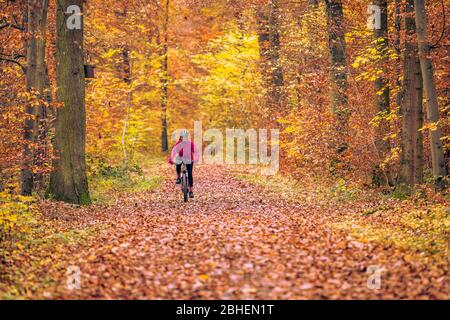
{"x": 350, "y": 102}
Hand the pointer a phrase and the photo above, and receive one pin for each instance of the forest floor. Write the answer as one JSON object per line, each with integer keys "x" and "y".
{"x": 241, "y": 238}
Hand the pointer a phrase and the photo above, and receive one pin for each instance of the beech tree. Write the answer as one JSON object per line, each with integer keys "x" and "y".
{"x": 437, "y": 151}
{"x": 165, "y": 77}
{"x": 36, "y": 83}
{"x": 382, "y": 89}
{"x": 68, "y": 181}
{"x": 411, "y": 163}
{"x": 337, "y": 74}
{"x": 269, "y": 44}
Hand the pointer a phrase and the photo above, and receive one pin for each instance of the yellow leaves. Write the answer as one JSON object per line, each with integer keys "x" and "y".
{"x": 110, "y": 53}
{"x": 17, "y": 215}
{"x": 232, "y": 83}
{"x": 25, "y": 95}
{"x": 432, "y": 126}
{"x": 359, "y": 61}
{"x": 91, "y": 258}
{"x": 419, "y": 230}
{"x": 386, "y": 117}
{"x": 203, "y": 277}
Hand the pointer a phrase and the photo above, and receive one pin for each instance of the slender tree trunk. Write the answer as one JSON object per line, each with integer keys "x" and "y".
{"x": 382, "y": 89}
{"x": 36, "y": 84}
{"x": 42, "y": 130}
{"x": 126, "y": 73}
{"x": 276, "y": 90}
{"x": 264, "y": 42}
{"x": 418, "y": 155}
{"x": 397, "y": 47}
{"x": 306, "y": 65}
{"x": 68, "y": 181}
{"x": 338, "y": 74}
{"x": 269, "y": 49}
{"x": 262, "y": 20}
{"x": 165, "y": 79}
{"x": 411, "y": 164}
{"x": 437, "y": 150}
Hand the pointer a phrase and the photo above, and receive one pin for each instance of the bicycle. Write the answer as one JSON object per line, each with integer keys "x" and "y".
{"x": 184, "y": 182}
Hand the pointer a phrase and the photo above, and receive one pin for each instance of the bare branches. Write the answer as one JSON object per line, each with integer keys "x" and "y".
{"x": 13, "y": 58}
{"x": 444, "y": 28}
{"x": 14, "y": 25}
{"x": 24, "y": 69}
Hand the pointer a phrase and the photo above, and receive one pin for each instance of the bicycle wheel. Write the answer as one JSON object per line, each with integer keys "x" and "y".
{"x": 185, "y": 188}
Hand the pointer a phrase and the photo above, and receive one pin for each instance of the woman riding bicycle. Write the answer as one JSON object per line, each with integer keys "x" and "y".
{"x": 185, "y": 152}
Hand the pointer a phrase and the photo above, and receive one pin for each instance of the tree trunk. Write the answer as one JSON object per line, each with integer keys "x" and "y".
{"x": 382, "y": 89}
{"x": 437, "y": 150}
{"x": 397, "y": 46}
{"x": 126, "y": 74}
{"x": 276, "y": 90}
{"x": 36, "y": 83}
{"x": 165, "y": 80}
{"x": 68, "y": 181}
{"x": 269, "y": 49}
{"x": 338, "y": 74}
{"x": 264, "y": 42}
{"x": 418, "y": 155}
{"x": 411, "y": 164}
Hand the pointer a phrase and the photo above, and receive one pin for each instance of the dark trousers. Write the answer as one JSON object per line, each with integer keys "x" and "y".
{"x": 189, "y": 168}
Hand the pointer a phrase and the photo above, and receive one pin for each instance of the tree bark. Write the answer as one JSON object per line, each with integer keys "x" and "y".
{"x": 269, "y": 49}
{"x": 397, "y": 46}
{"x": 338, "y": 74}
{"x": 68, "y": 181}
{"x": 262, "y": 20}
{"x": 437, "y": 150}
{"x": 37, "y": 85}
{"x": 411, "y": 164}
{"x": 276, "y": 92}
{"x": 126, "y": 73}
{"x": 165, "y": 79}
{"x": 382, "y": 89}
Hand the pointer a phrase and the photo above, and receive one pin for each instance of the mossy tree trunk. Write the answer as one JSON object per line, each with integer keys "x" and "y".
{"x": 68, "y": 181}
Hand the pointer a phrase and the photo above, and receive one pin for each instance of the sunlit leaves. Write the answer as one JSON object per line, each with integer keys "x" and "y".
{"x": 231, "y": 89}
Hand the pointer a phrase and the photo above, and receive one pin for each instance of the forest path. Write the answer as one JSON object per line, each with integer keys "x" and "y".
{"x": 235, "y": 240}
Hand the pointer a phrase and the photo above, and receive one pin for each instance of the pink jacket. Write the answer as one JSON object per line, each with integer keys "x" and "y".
{"x": 182, "y": 148}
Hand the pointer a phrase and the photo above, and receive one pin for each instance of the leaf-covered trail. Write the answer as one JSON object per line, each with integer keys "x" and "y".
{"x": 234, "y": 241}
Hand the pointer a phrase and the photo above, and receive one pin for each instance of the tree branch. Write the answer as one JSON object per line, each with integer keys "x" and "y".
{"x": 24, "y": 69}
{"x": 13, "y": 56}
{"x": 5, "y": 24}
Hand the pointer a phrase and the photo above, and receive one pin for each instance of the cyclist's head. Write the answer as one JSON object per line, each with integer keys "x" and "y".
{"x": 184, "y": 134}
